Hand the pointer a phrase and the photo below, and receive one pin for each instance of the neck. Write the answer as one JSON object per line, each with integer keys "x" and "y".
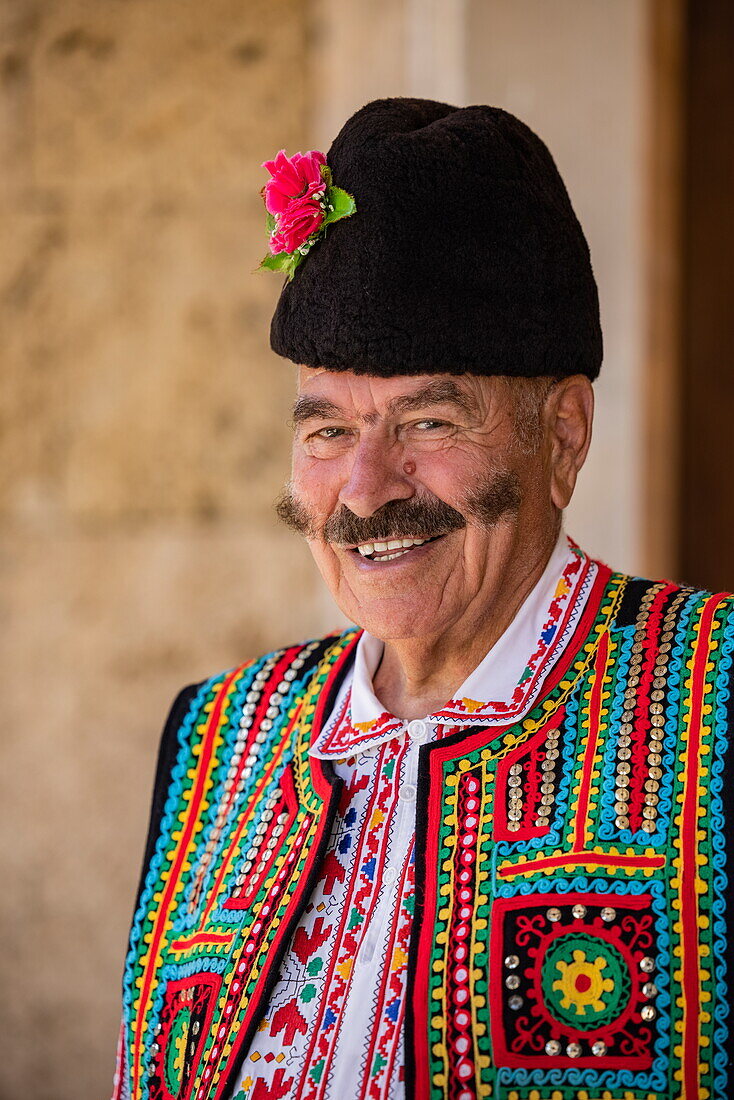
{"x": 417, "y": 676}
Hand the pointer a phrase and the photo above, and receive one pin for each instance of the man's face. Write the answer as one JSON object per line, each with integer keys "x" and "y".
{"x": 415, "y": 500}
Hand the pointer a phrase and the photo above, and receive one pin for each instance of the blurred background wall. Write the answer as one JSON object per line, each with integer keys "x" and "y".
{"x": 143, "y": 413}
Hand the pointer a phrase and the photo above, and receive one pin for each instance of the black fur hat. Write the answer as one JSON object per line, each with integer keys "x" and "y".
{"x": 463, "y": 255}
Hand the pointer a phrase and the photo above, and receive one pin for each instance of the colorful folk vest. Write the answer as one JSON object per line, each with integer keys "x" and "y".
{"x": 572, "y": 935}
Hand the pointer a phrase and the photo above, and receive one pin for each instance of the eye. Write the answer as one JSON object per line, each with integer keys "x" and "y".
{"x": 428, "y": 430}
{"x": 429, "y": 425}
{"x": 328, "y": 441}
{"x": 327, "y": 433}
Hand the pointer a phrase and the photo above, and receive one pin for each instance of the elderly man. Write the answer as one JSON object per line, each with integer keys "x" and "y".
{"x": 476, "y": 846}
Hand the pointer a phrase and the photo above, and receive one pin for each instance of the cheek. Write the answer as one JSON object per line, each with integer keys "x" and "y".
{"x": 445, "y": 473}
{"x": 326, "y": 562}
{"x": 315, "y": 483}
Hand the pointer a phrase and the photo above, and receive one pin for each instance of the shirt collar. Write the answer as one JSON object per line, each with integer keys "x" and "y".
{"x": 503, "y": 686}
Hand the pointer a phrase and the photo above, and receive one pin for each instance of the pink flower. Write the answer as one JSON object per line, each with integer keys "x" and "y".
{"x": 292, "y": 196}
{"x": 292, "y": 177}
{"x": 302, "y": 218}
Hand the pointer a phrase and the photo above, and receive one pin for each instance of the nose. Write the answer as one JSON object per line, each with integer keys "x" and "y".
{"x": 376, "y": 476}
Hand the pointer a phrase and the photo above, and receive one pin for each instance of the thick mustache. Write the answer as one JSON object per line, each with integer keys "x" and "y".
{"x": 422, "y": 517}
{"x": 414, "y": 518}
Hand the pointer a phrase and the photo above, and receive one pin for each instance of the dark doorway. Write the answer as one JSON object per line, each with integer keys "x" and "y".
{"x": 706, "y": 505}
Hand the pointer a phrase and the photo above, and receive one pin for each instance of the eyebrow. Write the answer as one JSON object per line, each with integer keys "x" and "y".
{"x": 310, "y": 408}
{"x": 441, "y": 392}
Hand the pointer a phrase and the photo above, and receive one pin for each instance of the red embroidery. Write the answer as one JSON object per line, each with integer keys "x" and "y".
{"x": 288, "y": 1020}
{"x": 459, "y": 979}
{"x": 276, "y": 1090}
{"x": 532, "y": 771}
{"x": 568, "y": 975}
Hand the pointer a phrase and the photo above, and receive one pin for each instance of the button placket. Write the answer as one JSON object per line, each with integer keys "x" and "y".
{"x": 402, "y": 829}
{"x": 418, "y": 731}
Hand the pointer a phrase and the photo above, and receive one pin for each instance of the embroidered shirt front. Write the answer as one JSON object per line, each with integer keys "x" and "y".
{"x": 334, "y": 1024}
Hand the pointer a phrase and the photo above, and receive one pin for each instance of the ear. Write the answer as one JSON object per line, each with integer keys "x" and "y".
{"x": 568, "y": 416}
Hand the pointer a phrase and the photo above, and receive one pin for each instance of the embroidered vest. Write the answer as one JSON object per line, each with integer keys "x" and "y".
{"x": 572, "y": 870}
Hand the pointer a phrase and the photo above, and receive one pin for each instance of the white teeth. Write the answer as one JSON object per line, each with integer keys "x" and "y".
{"x": 367, "y": 549}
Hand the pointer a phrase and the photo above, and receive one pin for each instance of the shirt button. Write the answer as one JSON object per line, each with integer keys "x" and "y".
{"x": 418, "y": 731}
{"x": 390, "y": 875}
{"x": 407, "y": 792}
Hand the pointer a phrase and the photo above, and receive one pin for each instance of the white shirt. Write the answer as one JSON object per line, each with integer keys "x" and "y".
{"x": 334, "y": 1025}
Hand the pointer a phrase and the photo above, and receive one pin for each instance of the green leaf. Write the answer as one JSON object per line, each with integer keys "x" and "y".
{"x": 287, "y": 262}
{"x": 270, "y": 222}
{"x": 296, "y": 258}
{"x": 279, "y": 262}
{"x": 343, "y": 205}
{"x": 326, "y": 174}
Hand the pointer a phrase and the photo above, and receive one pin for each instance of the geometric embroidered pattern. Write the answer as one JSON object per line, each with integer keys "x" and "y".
{"x": 573, "y": 929}
{"x": 572, "y": 922}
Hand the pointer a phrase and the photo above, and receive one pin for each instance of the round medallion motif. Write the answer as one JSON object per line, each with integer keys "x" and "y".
{"x": 585, "y": 981}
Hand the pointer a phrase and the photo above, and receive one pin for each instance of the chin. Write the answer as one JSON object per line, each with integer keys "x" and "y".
{"x": 392, "y": 624}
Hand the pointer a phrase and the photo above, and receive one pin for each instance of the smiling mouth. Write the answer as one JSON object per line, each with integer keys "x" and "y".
{"x": 391, "y": 548}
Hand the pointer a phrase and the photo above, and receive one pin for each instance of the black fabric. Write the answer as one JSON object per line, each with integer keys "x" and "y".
{"x": 167, "y": 752}
{"x": 464, "y": 254}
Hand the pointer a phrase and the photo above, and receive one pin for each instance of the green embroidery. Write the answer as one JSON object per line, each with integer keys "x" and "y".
{"x": 585, "y": 981}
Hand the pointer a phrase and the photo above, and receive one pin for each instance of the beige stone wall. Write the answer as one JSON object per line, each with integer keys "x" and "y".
{"x": 143, "y": 442}
{"x": 578, "y": 73}
{"x": 143, "y": 415}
